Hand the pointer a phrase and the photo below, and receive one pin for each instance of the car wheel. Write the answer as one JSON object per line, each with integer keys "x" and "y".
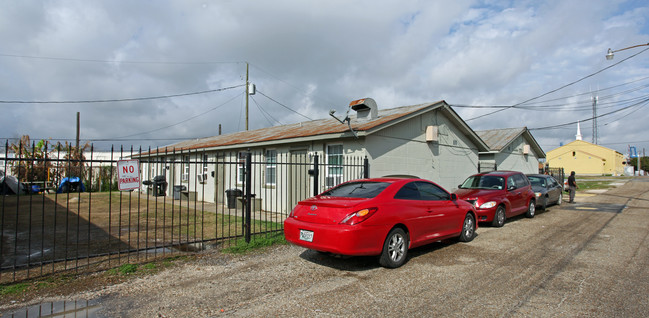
{"x": 395, "y": 249}
{"x": 499, "y": 217}
{"x": 468, "y": 228}
{"x": 560, "y": 198}
{"x": 531, "y": 209}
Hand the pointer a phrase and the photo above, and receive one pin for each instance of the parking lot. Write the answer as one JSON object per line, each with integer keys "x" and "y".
{"x": 588, "y": 259}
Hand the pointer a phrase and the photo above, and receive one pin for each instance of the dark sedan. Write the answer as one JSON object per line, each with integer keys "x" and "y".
{"x": 546, "y": 189}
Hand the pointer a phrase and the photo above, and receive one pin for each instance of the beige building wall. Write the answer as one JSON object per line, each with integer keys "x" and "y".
{"x": 587, "y": 159}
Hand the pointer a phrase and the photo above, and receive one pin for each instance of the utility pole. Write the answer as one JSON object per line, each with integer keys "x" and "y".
{"x": 247, "y": 95}
{"x": 595, "y": 119}
{"x": 78, "y": 128}
{"x": 250, "y": 90}
{"x": 639, "y": 160}
{"x": 638, "y": 157}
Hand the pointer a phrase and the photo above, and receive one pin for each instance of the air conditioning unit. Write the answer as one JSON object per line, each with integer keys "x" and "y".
{"x": 202, "y": 178}
{"x": 333, "y": 181}
{"x": 432, "y": 133}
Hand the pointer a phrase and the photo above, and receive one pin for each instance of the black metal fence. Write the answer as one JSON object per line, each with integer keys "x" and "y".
{"x": 557, "y": 173}
{"x": 62, "y": 212}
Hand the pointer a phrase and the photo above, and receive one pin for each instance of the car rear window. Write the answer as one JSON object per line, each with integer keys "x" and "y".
{"x": 537, "y": 181}
{"x": 422, "y": 191}
{"x": 357, "y": 190}
{"x": 520, "y": 180}
{"x": 484, "y": 182}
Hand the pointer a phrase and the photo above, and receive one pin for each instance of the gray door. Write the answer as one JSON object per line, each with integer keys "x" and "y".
{"x": 219, "y": 180}
{"x": 298, "y": 177}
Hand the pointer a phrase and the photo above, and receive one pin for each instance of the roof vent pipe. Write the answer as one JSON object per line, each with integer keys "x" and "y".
{"x": 365, "y": 108}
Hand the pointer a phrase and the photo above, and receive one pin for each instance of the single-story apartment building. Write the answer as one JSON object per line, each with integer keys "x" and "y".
{"x": 510, "y": 149}
{"x": 428, "y": 140}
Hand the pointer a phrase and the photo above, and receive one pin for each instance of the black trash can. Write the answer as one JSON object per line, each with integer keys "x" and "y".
{"x": 159, "y": 185}
{"x": 177, "y": 190}
{"x": 232, "y": 195}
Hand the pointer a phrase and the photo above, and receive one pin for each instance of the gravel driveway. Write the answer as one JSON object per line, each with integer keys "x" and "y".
{"x": 589, "y": 259}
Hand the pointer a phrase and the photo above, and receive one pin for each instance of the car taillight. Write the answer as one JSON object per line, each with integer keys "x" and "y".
{"x": 292, "y": 212}
{"x": 358, "y": 216}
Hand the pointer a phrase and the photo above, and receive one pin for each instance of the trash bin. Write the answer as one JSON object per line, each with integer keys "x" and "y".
{"x": 232, "y": 195}
{"x": 177, "y": 190}
{"x": 254, "y": 202}
{"x": 159, "y": 185}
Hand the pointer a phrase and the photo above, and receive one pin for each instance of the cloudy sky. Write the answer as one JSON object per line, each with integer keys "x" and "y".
{"x": 151, "y": 73}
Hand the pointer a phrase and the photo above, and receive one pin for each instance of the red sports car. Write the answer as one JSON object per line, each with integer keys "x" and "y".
{"x": 380, "y": 216}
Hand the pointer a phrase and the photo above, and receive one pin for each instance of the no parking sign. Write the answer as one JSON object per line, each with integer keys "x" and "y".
{"x": 128, "y": 174}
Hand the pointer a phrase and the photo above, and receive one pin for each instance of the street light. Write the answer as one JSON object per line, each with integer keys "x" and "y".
{"x": 609, "y": 54}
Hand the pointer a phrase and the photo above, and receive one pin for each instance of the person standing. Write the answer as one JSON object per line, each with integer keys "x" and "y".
{"x": 572, "y": 186}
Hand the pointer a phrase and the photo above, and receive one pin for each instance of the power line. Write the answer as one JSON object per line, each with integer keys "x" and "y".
{"x": 287, "y": 83}
{"x": 638, "y": 104}
{"x": 560, "y": 88}
{"x": 183, "y": 121}
{"x": 265, "y": 113}
{"x": 114, "y": 61}
{"x": 552, "y": 107}
{"x": 598, "y": 90}
{"x": 119, "y": 100}
{"x": 258, "y": 91}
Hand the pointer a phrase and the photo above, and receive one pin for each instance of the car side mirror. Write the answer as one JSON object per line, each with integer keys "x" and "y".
{"x": 511, "y": 188}
{"x": 453, "y": 197}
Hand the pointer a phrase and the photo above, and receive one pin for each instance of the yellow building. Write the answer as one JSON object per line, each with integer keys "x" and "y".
{"x": 585, "y": 158}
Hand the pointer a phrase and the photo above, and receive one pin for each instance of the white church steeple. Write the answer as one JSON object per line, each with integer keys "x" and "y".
{"x": 578, "y": 136}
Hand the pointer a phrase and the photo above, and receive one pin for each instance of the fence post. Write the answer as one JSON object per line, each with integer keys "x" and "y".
{"x": 366, "y": 168}
{"x": 316, "y": 174}
{"x": 248, "y": 196}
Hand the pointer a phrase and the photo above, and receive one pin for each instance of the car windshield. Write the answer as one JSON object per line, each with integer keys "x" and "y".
{"x": 537, "y": 181}
{"x": 357, "y": 190}
{"x": 484, "y": 182}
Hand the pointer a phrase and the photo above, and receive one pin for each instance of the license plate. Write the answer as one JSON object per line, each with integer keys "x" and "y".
{"x": 306, "y": 235}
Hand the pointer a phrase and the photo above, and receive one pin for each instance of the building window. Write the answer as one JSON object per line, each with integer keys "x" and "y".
{"x": 202, "y": 178}
{"x": 185, "y": 176}
{"x": 241, "y": 168}
{"x": 271, "y": 167}
{"x": 152, "y": 169}
{"x": 334, "y": 165}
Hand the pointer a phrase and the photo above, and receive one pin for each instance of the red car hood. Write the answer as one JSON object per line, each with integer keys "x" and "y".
{"x": 325, "y": 210}
{"x": 474, "y": 193}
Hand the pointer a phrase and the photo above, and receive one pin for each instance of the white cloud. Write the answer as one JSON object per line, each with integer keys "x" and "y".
{"x": 310, "y": 56}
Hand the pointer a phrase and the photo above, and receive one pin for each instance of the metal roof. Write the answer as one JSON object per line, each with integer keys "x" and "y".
{"x": 327, "y": 128}
{"x": 498, "y": 139}
{"x": 321, "y": 127}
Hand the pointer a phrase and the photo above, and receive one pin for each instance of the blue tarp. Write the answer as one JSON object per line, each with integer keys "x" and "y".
{"x": 72, "y": 184}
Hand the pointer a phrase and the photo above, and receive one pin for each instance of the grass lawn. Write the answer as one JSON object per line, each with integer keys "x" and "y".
{"x": 48, "y": 228}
